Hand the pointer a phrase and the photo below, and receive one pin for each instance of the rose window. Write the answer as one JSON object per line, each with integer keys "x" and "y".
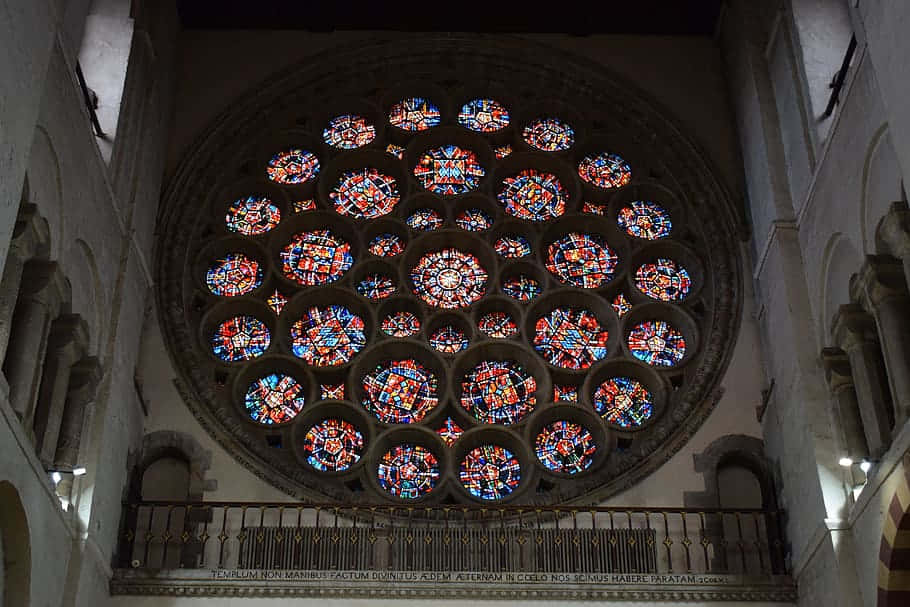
{"x": 449, "y": 291}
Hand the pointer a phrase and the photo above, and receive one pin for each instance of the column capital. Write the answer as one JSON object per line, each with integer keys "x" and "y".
{"x": 852, "y": 327}
{"x": 85, "y": 375}
{"x": 894, "y": 229}
{"x": 44, "y": 283}
{"x": 837, "y": 368}
{"x": 31, "y": 234}
{"x": 881, "y": 277}
{"x": 69, "y": 333}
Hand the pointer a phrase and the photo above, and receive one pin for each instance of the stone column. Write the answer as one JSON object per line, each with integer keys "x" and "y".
{"x": 894, "y": 231}
{"x": 880, "y": 288}
{"x": 78, "y": 411}
{"x": 848, "y": 422}
{"x": 854, "y": 331}
{"x": 65, "y": 346}
{"x": 30, "y": 238}
{"x": 42, "y": 291}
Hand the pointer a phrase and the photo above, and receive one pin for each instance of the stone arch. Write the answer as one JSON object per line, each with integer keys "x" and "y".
{"x": 87, "y": 292}
{"x": 741, "y": 450}
{"x": 15, "y": 568}
{"x": 894, "y": 554}
{"x": 177, "y": 445}
{"x": 840, "y": 261}
{"x": 881, "y": 185}
{"x": 46, "y": 186}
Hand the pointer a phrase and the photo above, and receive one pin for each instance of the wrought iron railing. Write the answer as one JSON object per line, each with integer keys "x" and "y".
{"x": 291, "y": 536}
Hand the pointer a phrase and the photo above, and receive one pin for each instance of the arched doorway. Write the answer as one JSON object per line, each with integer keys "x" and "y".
{"x": 894, "y": 554}
{"x": 15, "y": 549}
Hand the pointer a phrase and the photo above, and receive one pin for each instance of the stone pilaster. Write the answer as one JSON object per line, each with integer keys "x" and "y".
{"x": 43, "y": 290}
{"x": 845, "y": 406}
{"x": 65, "y": 346}
{"x": 78, "y": 412}
{"x": 854, "y": 331}
{"x": 881, "y": 289}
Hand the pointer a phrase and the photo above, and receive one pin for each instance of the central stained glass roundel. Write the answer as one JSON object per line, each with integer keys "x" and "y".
{"x": 449, "y": 279}
{"x": 400, "y": 391}
{"x": 448, "y": 170}
{"x": 408, "y": 471}
{"x": 498, "y": 392}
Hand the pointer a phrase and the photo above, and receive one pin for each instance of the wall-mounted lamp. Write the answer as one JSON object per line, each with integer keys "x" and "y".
{"x": 56, "y": 477}
{"x": 846, "y": 462}
{"x": 79, "y": 471}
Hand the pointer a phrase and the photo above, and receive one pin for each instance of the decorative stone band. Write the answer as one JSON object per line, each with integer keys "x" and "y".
{"x": 894, "y": 554}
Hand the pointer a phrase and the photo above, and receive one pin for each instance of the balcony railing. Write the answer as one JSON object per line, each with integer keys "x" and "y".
{"x": 203, "y": 545}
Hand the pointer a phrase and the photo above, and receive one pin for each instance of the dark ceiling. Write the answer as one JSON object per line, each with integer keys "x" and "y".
{"x": 654, "y": 17}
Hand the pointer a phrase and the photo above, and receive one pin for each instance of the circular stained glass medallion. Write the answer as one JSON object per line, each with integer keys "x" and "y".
{"x": 408, "y": 471}
{"x": 275, "y": 398}
{"x": 376, "y": 286}
{"x": 386, "y": 245}
{"x": 565, "y": 446}
{"x": 490, "y": 472}
{"x": 533, "y": 195}
{"x": 570, "y": 338}
{"x": 252, "y": 216}
{"x": 549, "y": 135}
{"x": 400, "y": 391}
{"x": 448, "y": 170}
{"x": 498, "y": 392}
{"x": 449, "y": 279}
{"x": 317, "y": 257}
{"x": 348, "y": 132}
{"x": 605, "y": 170}
{"x": 333, "y": 445}
{"x": 512, "y": 247}
{"x": 644, "y": 219}
{"x": 233, "y": 275}
{"x": 414, "y": 114}
{"x": 498, "y": 325}
{"x": 365, "y": 194}
{"x": 401, "y": 324}
{"x": 582, "y": 260}
{"x": 327, "y": 336}
{"x": 474, "y": 220}
{"x": 521, "y": 287}
{"x": 449, "y": 339}
{"x": 425, "y": 220}
{"x": 657, "y": 343}
{"x": 663, "y": 279}
{"x": 623, "y": 402}
{"x": 240, "y": 338}
{"x": 293, "y": 167}
{"x": 483, "y": 116}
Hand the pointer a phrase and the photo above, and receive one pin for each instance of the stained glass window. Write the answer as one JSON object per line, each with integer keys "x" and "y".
{"x": 605, "y": 170}
{"x": 448, "y": 170}
{"x": 401, "y": 324}
{"x": 565, "y": 393}
{"x": 327, "y": 336}
{"x": 565, "y": 446}
{"x": 348, "y": 132}
{"x": 498, "y": 392}
{"x": 582, "y": 260}
{"x": 512, "y": 247}
{"x": 474, "y": 220}
{"x": 293, "y": 167}
{"x": 408, "y": 471}
{"x": 449, "y": 431}
{"x": 571, "y": 338}
{"x": 386, "y": 245}
{"x": 331, "y": 391}
{"x": 657, "y": 343}
{"x": 395, "y": 150}
{"x": 365, "y": 194}
{"x": 621, "y": 305}
{"x": 414, "y": 114}
{"x": 533, "y": 195}
{"x": 549, "y": 135}
{"x": 498, "y": 325}
{"x": 277, "y": 301}
{"x": 449, "y": 279}
{"x": 490, "y": 472}
{"x": 623, "y": 402}
{"x": 233, "y": 275}
{"x": 240, "y": 338}
{"x": 594, "y": 208}
{"x": 483, "y": 115}
{"x": 304, "y": 205}
{"x": 664, "y": 279}
{"x": 502, "y": 151}
{"x": 376, "y": 286}
{"x": 315, "y": 258}
{"x": 274, "y": 399}
{"x": 252, "y": 216}
{"x": 645, "y": 219}
{"x": 521, "y": 287}
{"x": 425, "y": 220}
{"x": 449, "y": 339}
{"x": 400, "y": 391}
{"x": 333, "y": 445}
